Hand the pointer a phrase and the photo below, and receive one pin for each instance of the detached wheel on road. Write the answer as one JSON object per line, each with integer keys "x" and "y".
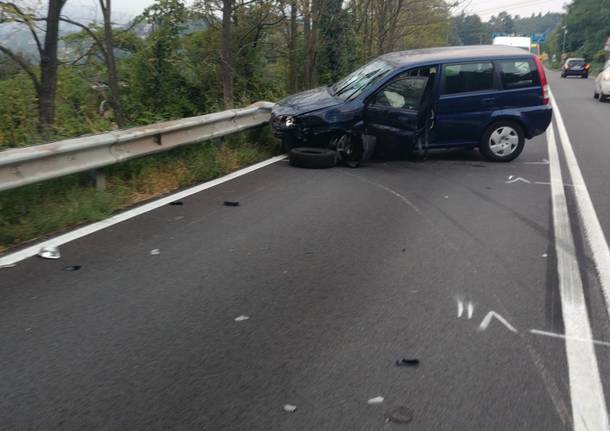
{"x": 313, "y": 158}
{"x": 503, "y": 141}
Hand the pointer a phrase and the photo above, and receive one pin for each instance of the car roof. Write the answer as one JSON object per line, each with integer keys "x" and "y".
{"x": 575, "y": 58}
{"x": 452, "y": 53}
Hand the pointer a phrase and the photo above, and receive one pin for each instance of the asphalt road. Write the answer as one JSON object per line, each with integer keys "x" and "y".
{"x": 341, "y": 272}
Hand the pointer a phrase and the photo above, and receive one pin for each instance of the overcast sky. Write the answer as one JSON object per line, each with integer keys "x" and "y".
{"x": 485, "y": 8}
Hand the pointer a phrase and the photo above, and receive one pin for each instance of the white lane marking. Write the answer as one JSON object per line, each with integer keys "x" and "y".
{"x": 556, "y": 335}
{"x": 94, "y": 227}
{"x": 470, "y": 310}
{"x": 512, "y": 180}
{"x": 487, "y": 320}
{"x": 592, "y": 228}
{"x": 586, "y": 392}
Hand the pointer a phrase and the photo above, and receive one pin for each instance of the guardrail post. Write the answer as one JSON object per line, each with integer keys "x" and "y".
{"x": 99, "y": 178}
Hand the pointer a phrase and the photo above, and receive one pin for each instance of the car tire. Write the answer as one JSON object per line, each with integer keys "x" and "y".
{"x": 563, "y": 75}
{"x": 585, "y": 77}
{"x": 602, "y": 98}
{"x": 312, "y": 157}
{"x": 595, "y": 95}
{"x": 502, "y": 141}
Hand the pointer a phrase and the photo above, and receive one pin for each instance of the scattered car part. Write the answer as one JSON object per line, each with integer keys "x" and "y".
{"x": 312, "y": 157}
{"x": 72, "y": 268}
{"x": 155, "y": 251}
{"x": 376, "y": 400}
{"x": 177, "y": 203}
{"x": 407, "y": 362}
{"x": 241, "y": 318}
{"x": 49, "y": 252}
{"x": 231, "y": 203}
{"x": 290, "y": 408}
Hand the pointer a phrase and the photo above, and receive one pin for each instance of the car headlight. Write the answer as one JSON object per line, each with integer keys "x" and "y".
{"x": 289, "y": 121}
{"x": 606, "y": 75}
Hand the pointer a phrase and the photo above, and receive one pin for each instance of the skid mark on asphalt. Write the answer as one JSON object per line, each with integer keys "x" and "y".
{"x": 407, "y": 202}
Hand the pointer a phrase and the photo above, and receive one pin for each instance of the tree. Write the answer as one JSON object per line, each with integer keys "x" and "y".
{"x": 104, "y": 42}
{"x": 113, "y": 79}
{"x": 45, "y": 85}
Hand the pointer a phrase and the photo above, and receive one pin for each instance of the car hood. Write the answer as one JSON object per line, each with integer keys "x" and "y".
{"x": 306, "y": 101}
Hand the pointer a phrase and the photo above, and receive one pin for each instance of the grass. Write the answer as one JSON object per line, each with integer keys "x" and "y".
{"x": 41, "y": 210}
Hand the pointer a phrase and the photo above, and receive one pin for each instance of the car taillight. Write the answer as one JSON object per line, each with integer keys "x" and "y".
{"x": 543, "y": 81}
{"x": 587, "y": 66}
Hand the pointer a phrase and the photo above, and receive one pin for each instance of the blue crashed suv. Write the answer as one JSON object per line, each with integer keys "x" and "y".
{"x": 490, "y": 97}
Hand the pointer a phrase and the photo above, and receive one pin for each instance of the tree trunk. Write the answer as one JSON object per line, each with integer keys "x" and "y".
{"x": 307, "y": 37}
{"x": 227, "y": 59}
{"x": 113, "y": 79}
{"x": 292, "y": 46}
{"x": 48, "y": 69}
{"x": 315, "y": 42}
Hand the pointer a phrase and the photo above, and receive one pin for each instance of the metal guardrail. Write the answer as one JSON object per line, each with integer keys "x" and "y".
{"x": 29, "y": 165}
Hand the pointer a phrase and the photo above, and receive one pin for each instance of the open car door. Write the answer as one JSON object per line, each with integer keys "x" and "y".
{"x": 397, "y": 114}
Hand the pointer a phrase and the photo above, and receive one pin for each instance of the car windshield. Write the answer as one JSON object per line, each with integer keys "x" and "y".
{"x": 358, "y": 81}
{"x": 576, "y": 62}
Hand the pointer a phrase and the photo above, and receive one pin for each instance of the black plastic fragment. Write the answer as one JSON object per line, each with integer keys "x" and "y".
{"x": 231, "y": 203}
{"x": 404, "y": 249}
{"x": 72, "y": 268}
{"x": 177, "y": 203}
{"x": 407, "y": 362}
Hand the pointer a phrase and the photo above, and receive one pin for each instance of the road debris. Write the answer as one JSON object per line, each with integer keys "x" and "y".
{"x": 177, "y": 203}
{"x": 290, "y": 408}
{"x": 155, "y": 251}
{"x": 49, "y": 252}
{"x": 72, "y": 268}
{"x": 241, "y": 318}
{"x": 399, "y": 415}
{"x": 544, "y": 255}
{"x": 231, "y": 203}
{"x": 446, "y": 196}
{"x": 407, "y": 362}
{"x": 376, "y": 400}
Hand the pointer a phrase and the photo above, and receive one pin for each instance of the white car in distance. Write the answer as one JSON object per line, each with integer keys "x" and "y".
{"x": 602, "y": 85}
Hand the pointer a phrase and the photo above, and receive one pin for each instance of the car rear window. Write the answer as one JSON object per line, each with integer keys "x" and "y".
{"x": 518, "y": 74}
{"x": 576, "y": 62}
{"x": 468, "y": 77}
